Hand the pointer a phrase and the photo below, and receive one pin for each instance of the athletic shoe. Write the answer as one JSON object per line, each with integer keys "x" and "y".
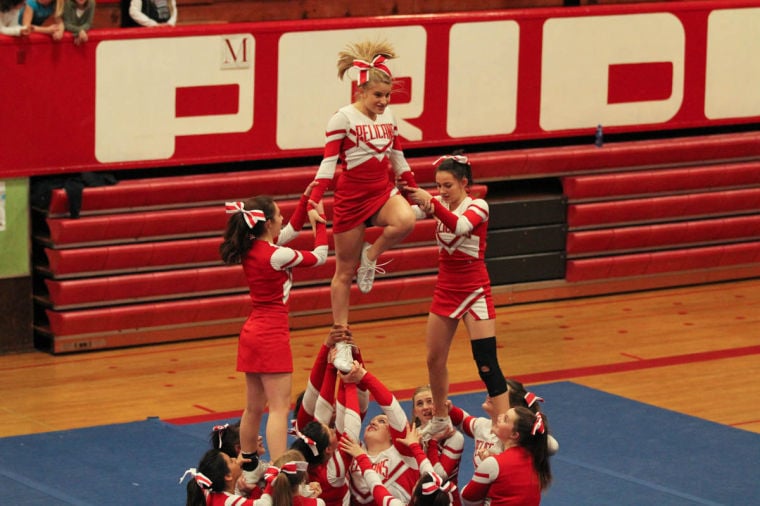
{"x": 365, "y": 274}
{"x": 253, "y": 470}
{"x": 344, "y": 357}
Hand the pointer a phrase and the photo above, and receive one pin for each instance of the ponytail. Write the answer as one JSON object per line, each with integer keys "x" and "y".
{"x": 209, "y": 477}
{"x": 239, "y": 234}
{"x": 533, "y": 436}
{"x": 282, "y": 491}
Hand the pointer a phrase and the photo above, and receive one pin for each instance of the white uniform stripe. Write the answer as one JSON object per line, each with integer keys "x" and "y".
{"x": 466, "y": 303}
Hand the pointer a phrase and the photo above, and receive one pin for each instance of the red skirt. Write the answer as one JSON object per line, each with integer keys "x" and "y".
{"x": 264, "y": 344}
{"x": 359, "y": 195}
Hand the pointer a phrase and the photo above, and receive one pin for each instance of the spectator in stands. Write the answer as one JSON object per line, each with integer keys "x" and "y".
{"x": 364, "y": 135}
{"x": 38, "y": 12}
{"x": 521, "y": 472}
{"x": 10, "y": 13}
{"x": 148, "y": 13}
{"x": 463, "y": 288}
{"x": 77, "y": 18}
{"x": 254, "y": 238}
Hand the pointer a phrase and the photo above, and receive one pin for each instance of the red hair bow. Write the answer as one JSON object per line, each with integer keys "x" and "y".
{"x": 378, "y": 62}
{"x": 200, "y": 478}
{"x": 457, "y": 158}
{"x": 250, "y": 217}
{"x": 293, "y": 431}
{"x": 431, "y": 487}
{"x": 531, "y": 398}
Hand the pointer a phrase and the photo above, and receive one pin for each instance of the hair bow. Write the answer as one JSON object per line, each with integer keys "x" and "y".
{"x": 431, "y": 487}
{"x": 293, "y": 467}
{"x": 293, "y": 431}
{"x": 220, "y": 429}
{"x": 250, "y": 217}
{"x": 531, "y": 398}
{"x": 378, "y": 62}
{"x": 199, "y": 478}
{"x": 457, "y": 158}
{"x": 538, "y": 425}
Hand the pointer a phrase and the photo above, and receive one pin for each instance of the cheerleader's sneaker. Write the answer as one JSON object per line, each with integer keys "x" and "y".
{"x": 365, "y": 274}
{"x": 344, "y": 357}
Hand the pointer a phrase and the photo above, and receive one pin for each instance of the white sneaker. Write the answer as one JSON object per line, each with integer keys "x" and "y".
{"x": 253, "y": 477}
{"x": 344, "y": 357}
{"x": 365, "y": 274}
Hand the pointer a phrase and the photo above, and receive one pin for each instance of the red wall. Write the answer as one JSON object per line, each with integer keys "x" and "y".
{"x": 212, "y": 93}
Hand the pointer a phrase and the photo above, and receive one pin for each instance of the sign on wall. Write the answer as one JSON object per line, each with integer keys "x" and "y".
{"x": 214, "y": 93}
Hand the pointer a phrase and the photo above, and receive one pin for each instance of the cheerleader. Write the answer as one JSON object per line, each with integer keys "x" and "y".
{"x": 389, "y": 457}
{"x": 444, "y": 450}
{"x": 254, "y": 237}
{"x": 521, "y": 472}
{"x": 480, "y": 429}
{"x": 463, "y": 288}
{"x": 430, "y": 490}
{"x": 364, "y": 137}
{"x": 321, "y": 421}
{"x": 285, "y": 479}
{"x": 213, "y": 482}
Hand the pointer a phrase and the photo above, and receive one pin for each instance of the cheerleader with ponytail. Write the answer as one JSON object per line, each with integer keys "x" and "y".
{"x": 363, "y": 137}
{"x": 285, "y": 479}
{"x": 213, "y": 482}
{"x": 255, "y": 237}
{"x": 521, "y": 472}
{"x": 463, "y": 287}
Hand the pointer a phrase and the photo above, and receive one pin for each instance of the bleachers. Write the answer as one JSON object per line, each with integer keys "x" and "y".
{"x": 644, "y": 223}
{"x": 141, "y": 264}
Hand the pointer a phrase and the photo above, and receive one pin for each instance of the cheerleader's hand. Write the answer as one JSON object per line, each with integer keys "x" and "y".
{"x": 339, "y": 333}
{"x": 483, "y": 454}
{"x": 355, "y": 375}
{"x": 412, "y": 436}
{"x": 351, "y": 447}
{"x": 316, "y": 215}
{"x": 420, "y": 197}
{"x": 261, "y": 449}
{"x": 243, "y": 488}
{"x": 316, "y": 488}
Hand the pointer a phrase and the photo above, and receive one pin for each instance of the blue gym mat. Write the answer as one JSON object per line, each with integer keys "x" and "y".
{"x": 613, "y": 451}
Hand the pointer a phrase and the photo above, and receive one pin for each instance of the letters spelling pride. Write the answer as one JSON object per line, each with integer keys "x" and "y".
{"x": 701, "y": 95}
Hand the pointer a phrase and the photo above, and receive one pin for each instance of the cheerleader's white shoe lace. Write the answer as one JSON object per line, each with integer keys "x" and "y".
{"x": 365, "y": 274}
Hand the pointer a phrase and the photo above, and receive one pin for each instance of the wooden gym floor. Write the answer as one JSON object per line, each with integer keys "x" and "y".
{"x": 694, "y": 350}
